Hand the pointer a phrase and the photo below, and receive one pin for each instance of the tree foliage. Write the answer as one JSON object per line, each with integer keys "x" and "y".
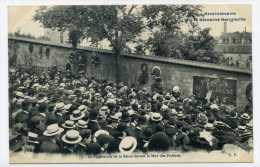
{"x": 167, "y": 24}
{"x": 117, "y": 24}
{"x": 173, "y": 29}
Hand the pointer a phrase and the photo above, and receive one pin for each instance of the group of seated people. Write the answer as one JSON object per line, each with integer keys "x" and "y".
{"x": 52, "y": 111}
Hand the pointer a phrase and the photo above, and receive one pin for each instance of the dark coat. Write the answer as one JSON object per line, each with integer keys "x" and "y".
{"x": 48, "y": 146}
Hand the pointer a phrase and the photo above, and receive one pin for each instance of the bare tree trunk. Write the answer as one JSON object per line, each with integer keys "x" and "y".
{"x": 117, "y": 73}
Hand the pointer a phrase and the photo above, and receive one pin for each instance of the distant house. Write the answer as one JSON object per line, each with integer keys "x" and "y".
{"x": 235, "y": 42}
{"x": 236, "y": 48}
{"x": 56, "y": 36}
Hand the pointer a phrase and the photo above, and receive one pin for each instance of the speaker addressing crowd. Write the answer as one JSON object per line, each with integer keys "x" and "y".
{"x": 56, "y": 111}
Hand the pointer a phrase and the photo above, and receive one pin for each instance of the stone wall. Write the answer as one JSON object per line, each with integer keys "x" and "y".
{"x": 174, "y": 72}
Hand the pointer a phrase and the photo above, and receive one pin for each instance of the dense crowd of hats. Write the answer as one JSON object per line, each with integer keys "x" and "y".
{"x": 57, "y": 112}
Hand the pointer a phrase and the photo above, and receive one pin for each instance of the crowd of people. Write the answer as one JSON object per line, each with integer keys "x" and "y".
{"x": 54, "y": 111}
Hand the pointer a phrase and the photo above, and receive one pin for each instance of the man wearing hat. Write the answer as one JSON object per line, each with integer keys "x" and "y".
{"x": 50, "y": 142}
{"x": 32, "y": 142}
{"x": 176, "y": 93}
{"x": 128, "y": 145}
{"x": 59, "y": 112}
{"x": 86, "y": 136}
{"x": 69, "y": 125}
{"x": 36, "y": 124}
{"x": 92, "y": 120}
{"x": 244, "y": 119}
{"x": 70, "y": 142}
{"x": 22, "y": 116}
{"x": 224, "y": 133}
{"x": 182, "y": 136}
{"x": 156, "y": 121}
{"x": 93, "y": 148}
{"x": 159, "y": 142}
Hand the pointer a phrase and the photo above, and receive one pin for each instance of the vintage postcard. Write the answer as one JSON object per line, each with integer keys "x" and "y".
{"x": 130, "y": 83}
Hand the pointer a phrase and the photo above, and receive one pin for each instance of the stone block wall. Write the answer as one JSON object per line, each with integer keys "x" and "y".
{"x": 174, "y": 72}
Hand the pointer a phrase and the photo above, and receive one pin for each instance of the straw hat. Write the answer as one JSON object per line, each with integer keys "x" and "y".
{"x": 114, "y": 118}
{"x": 59, "y": 106}
{"x": 128, "y": 145}
{"x": 68, "y": 124}
{"x": 67, "y": 106}
{"x": 241, "y": 128}
{"x": 156, "y": 117}
{"x": 180, "y": 115}
{"x": 99, "y": 132}
{"x": 249, "y": 125}
{"x": 19, "y": 94}
{"x": 111, "y": 101}
{"x": 45, "y": 99}
{"x": 71, "y": 137}
{"x": 176, "y": 89}
{"x": 82, "y": 89}
{"x": 77, "y": 115}
{"x": 209, "y": 126}
{"x": 245, "y": 116}
{"x": 62, "y": 84}
{"x": 53, "y": 130}
{"x": 33, "y": 138}
{"x": 81, "y": 124}
{"x": 83, "y": 108}
{"x": 214, "y": 107}
{"x": 164, "y": 107}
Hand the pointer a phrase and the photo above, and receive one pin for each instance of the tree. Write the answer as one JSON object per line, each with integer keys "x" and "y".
{"x": 201, "y": 47}
{"x": 166, "y": 22}
{"x": 170, "y": 40}
{"x": 171, "y": 18}
{"x": 116, "y": 24}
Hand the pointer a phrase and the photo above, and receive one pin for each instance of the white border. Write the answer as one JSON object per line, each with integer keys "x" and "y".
{"x": 4, "y": 157}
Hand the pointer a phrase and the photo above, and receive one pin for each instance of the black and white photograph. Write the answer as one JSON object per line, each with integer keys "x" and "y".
{"x": 130, "y": 83}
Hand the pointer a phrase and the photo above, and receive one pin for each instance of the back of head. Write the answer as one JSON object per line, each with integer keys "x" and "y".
{"x": 159, "y": 142}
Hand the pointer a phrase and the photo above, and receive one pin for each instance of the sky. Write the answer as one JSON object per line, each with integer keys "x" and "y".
{"x": 20, "y": 18}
